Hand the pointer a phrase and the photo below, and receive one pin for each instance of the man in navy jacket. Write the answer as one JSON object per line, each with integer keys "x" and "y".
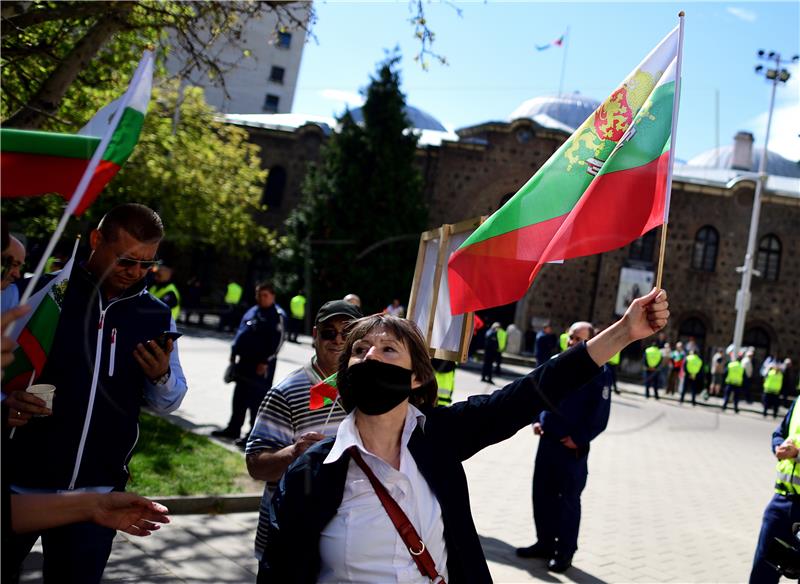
{"x": 105, "y": 363}
{"x": 561, "y": 463}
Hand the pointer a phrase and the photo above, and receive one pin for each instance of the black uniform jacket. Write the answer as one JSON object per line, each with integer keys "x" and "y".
{"x": 310, "y": 492}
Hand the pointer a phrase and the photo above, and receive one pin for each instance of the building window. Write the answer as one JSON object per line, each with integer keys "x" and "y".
{"x": 271, "y": 103}
{"x": 693, "y": 328}
{"x": 642, "y": 249}
{"x": 284, "y": 40}
{"x": 759, "y": 339}
{"x": 768, "y": 260}
{"x": 273, "y": 190}
{"x": 276, "y": 74}
{"x": 704, "y": 255}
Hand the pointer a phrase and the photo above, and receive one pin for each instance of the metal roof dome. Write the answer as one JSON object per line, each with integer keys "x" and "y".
{"x": 419, "y": 119}
{"x": 568, "y": 110}
{"x": 722, "y": 157}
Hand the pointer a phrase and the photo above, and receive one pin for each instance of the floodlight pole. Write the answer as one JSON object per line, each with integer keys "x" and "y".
{"x": 743, "y": 295}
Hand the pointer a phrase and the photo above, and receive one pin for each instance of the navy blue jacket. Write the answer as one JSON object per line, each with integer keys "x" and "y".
{"x": 46, "y": 451}
{"x": 582, "y": 415}
{"x": 782, "y": 431}
{"x": 310, "y": 492}
{"x": 260, "y": 335}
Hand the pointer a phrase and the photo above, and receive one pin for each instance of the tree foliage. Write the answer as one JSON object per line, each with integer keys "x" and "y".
{"x": 202, "y": 176}
{"x": 362, "y": 209}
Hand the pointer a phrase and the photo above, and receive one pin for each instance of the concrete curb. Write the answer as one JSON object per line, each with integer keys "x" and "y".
{"x": 211, "y": 504}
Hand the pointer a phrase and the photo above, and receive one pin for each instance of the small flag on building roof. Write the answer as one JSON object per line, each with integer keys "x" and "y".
{"x": 556, "y": 43}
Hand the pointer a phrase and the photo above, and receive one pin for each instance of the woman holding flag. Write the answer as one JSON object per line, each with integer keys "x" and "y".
{"x": 392, "y": 478}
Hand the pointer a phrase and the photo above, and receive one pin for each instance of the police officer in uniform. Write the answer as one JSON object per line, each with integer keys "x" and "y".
{"x": 652, "y": 373}
{"x": 692, "y": 366}
{"x": 773, "y": 383}
{"x": 166, "y": 291}
{"x": 734, "y": 379}
{"x": 561, "y": 463}
{"x": 784, "y": 508}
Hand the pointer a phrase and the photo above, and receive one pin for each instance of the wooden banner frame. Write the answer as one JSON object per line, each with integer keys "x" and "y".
{"x": 423, "y": 303}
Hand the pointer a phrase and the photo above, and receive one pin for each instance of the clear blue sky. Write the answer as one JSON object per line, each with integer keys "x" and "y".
{"x": 494, "y": 65}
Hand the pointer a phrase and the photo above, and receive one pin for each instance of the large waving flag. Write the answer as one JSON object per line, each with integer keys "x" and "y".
{"x": 603, "y": 188}
{"x": 34, "y": 332}
{"x": 36, "y": 163}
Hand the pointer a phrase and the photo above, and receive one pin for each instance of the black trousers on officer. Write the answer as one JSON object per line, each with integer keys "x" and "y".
{"x": 779, "y": 516}
{"x": 690, "y": 385}
{"x": 736, "y": 392}
{"x": 559, "y": 478}
{"x": 248, "y": 394}
{"x": 771, "y": 401}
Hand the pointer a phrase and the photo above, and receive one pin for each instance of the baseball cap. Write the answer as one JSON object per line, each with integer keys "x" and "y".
{"x": 337, "y": 308}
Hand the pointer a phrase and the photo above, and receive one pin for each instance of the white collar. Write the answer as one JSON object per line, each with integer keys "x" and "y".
{"x": 347, "y": 435}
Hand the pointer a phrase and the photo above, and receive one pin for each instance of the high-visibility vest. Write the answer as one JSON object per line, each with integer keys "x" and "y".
{"x": 563, "y": 341}
{"x": 773, "y": 382}
{"x": 160, "y": 291}
{"x": 788, "y": 480}
{"x": 233, "y": 294}
{"x": 614, "y": 359}
{"x": 735, "y": 374}
{"x": 502, "y": 339}
{"x": 297, "y": 306}
{"x": 653, "y": 356}
{"x": 693, "y": 365}
{"x": 446, "y": 382}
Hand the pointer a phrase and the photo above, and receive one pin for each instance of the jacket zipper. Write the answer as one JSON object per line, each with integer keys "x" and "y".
{"x": 113, "y": 352}
{"x": 93, "y": 391}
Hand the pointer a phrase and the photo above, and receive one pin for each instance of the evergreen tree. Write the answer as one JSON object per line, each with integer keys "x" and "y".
{"x": 357, "y": 227}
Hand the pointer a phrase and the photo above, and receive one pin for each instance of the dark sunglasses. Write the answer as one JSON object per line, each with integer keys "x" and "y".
{"x": 331, "y": 334}
{"x": 124, "y": 262}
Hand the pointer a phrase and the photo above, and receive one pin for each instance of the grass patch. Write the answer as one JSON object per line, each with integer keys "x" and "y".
{"x": 170, "y": 461}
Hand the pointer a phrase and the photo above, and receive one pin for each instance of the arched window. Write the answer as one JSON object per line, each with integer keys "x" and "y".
{"x": 759, "y": 339}
{"x": 768, "y": 260}
{"x": 642, "y": 249}
{"x": 693, "y": 328}
{"x": 704, "y": 254}
{"x": 273, "y": 191}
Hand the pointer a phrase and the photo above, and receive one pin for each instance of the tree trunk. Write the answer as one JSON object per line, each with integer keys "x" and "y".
{"x": 49, "y": 96}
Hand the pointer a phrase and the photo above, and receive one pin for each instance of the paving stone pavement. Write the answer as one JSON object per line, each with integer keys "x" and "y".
{"x": 675, "y": 493}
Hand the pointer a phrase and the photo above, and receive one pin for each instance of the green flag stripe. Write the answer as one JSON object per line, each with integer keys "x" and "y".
{"x": 125, "y": 137}
{"x": 42, "y": 324}
{"x": 48, "y": 143}
{"x": 653, "y": 125}
{"x": 21, "y": 364}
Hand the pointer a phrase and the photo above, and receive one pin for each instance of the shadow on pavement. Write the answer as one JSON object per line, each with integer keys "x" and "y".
{"x": 499, "y": 551}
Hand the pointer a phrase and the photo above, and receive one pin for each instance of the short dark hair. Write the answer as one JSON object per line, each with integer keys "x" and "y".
{"x": 265, "y": 286}
{"x": 139, "y": 221}
{"x": 408, "y": 333}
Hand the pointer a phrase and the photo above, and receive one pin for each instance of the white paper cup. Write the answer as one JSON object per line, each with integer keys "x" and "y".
{"x": 43, "y": 391}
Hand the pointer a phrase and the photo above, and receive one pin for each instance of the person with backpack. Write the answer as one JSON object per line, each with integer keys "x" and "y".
{"x": 253, "y": 357}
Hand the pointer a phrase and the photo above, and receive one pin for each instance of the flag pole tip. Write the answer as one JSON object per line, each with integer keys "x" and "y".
{"x": 681, "y": 14}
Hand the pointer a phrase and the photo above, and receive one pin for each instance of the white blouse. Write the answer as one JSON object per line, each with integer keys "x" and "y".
{"x": 361, "y": 544}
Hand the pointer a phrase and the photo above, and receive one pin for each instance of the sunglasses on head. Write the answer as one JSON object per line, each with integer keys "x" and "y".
{"x": 124, "y": 262}
{"x": 331, "y": 334}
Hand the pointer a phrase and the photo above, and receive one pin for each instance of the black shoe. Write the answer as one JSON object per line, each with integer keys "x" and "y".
{"x": 226, "y": 433}
{"x": 559, "y": 565}
{"x": 241, "y": 443}
{"x": 534, "y": 551}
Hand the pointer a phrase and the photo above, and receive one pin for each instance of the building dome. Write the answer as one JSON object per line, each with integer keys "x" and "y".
{"x": 562, "y": 112}
{"x": 419, "y": 119}
{"x": 722, "y": 157}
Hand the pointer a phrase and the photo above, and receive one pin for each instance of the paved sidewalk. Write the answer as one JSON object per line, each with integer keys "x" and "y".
{"x": 675, "y": 494}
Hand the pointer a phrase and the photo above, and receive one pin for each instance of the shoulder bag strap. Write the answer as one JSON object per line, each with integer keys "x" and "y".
{"x": 409, "y": 535}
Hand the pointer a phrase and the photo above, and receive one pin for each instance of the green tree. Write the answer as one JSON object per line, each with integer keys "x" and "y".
{"x": 203, "y": 177}
{"x": 362, "y": 210}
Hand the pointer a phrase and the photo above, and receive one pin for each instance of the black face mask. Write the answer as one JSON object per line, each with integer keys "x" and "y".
{"x": 376, "y": 387}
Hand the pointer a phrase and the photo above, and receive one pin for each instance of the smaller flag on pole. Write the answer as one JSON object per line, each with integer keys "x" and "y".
{"x": 556, "y": 43}
{"x": 323, "y": 393}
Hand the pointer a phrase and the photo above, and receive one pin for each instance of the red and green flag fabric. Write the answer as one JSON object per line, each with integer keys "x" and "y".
{"x": 603, "y": 188}
{"x": 34, "y": 332}
{"x": 323, "y": 393}
{"x": 556, "y": 43}
{"x": 36, "y": 163}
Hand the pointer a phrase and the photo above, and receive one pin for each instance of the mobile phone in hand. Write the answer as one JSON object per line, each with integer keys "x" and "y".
{"x": 161, "y": 339}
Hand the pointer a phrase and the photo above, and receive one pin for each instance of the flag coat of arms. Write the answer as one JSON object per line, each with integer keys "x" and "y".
{"x": 603, "y": 188}
{"x": 36, "y": 163}
{"x": 34, "y": 332}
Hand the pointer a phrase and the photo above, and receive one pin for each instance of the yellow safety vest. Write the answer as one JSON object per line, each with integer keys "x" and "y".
{"x": 233, "y": 294}
{"x": 297, "y": 305}
{"x": 788, "y": 480}
{"x": 563, "y": 341}
{"x": 653, "y": 356}
{"x": 773, "y": 382}
{"x": 735, "y": 374}
{"x": 446, "y": 382}
{"x": 693, "y": 365}
{"x": 614, "y": 359}
{"x": 160, "y": 291}
{"x": 502, "y": 339}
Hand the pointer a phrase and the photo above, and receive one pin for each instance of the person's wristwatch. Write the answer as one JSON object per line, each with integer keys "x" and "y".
{"x": 162, "y": 380}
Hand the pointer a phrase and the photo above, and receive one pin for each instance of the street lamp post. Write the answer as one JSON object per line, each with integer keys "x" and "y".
{"x": 776, "y": 75}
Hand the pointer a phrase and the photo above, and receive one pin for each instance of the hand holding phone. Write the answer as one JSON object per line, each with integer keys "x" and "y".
{"x": 162, "y": 338}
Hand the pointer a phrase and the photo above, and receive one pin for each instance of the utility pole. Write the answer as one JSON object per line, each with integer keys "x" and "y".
{"x": 775, "y": 73}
